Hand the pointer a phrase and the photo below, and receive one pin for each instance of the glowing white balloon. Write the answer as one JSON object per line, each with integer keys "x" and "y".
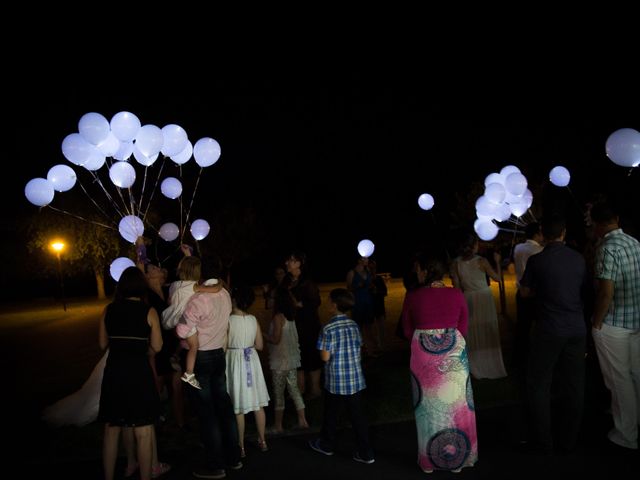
{"x": 124, "y": 151}
{"x": 184, "y": 156}
{"x": 109, "y": 146}
{"x": 623, "y": 147}
{"x": 486, "y": 230}
{"x": 142, "y": 159}
{"x": 518, "y": 209}
{"x": 130, "y": 228}
{"x": 76, "y": 149}
{"x": 125, "y": 126}
{"x": 169, "y": 232}
{"x": 62, "y": 177}
{"x": 425, "y": 201}
{"x": 95, "y": 161}
{"x": 94, "y": 128}
{"x": 175, "y": 140}
{"x": 485, "y": 207}
{"x": 516, "y": 183}
{"x": 502, "y": 213}
{"x": 559, "y": 176}
{"x": 149, "y": 140}
{"x": 200, "y": 229}
{"x": 118, "y": 266}
{"x": 495, "y": 192}
{"x": 206, "y": 152}
{"x": 494, "y": 178}
{"x": 171, "y": 187}
{"x": 366, "y": 248}
{"x": 508, "y": 170}
{"x": 39, "y": 191}
{"x": 122, "y": 174}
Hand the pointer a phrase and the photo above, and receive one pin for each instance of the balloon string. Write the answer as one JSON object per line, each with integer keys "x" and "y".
{"x": 575, "y": 201}
{"x": 94, "y": 202}
{"x": 170, "y": 255}
{"x": 181, "y": 207}
{"x": 195, "y": 189}
{"x": 155, "y": 186}
{"x": 80, "y": 218}
{"x": 144, "y": 184}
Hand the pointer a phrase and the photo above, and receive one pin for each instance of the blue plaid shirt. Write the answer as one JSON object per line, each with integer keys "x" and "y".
{"x": 618, "y": 260}
{"x": 343, "y": 372}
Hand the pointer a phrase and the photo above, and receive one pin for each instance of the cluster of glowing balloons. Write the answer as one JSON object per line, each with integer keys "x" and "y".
{"x": 366, "y": 248}
{"x": 505, "y": 194}
{"x": 623, "y": 147}
{"x": 120, "y": 138}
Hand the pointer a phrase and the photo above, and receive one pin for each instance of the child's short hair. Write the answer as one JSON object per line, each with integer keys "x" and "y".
{"x": 343, "y": 299}
{"x": 244, "y": 296}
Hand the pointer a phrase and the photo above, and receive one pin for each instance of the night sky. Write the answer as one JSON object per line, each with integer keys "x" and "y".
{"x": 322, "y": 170}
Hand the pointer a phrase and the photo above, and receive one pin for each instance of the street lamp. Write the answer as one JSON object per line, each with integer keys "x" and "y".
{"x": 58, "y": 246}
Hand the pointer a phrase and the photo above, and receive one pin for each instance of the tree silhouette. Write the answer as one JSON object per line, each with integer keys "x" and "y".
{"x": 90, "y": 246}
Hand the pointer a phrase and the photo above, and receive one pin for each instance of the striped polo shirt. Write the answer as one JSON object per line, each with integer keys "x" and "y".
{"x": 618, "y": 260}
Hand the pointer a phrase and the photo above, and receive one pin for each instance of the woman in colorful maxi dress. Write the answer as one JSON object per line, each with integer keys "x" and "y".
{"x": 435, "y": 318}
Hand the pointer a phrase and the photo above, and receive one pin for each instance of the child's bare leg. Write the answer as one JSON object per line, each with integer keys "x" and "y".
{"x": 261, "y": 421}
{"x": 240, "y": 422}
{"x": 193, "y": 343}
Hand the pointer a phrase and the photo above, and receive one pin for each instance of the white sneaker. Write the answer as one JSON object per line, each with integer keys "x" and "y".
{"x": 191, "y": 379}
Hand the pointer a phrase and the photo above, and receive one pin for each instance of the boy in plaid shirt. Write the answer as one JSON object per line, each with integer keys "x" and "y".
{"x": 339, "y": 344}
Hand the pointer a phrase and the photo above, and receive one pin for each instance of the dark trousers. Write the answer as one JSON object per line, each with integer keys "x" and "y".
{"x": 218, "y": 427}
{"x": 332, "y": 406}
{"x": 565, "y": 356}
{"x": 526, "y": 315}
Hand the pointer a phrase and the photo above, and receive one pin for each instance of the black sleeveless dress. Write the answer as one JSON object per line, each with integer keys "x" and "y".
{"x": 129, "y": 396}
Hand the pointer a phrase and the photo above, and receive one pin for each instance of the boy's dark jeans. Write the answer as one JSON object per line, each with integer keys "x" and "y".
{"x": 332, "y": 406}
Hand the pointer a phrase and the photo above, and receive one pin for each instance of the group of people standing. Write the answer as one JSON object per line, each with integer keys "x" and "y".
{"x": 453, "y": 334}
{"x": 558, "y": 309}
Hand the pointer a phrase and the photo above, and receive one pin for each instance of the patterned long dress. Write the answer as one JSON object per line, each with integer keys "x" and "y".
{"x": 443, "y": 400}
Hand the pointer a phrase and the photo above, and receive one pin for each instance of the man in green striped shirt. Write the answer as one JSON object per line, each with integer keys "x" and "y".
{"x": 616, "y": 322}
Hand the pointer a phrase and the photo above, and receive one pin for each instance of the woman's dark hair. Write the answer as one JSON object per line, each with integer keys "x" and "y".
{"x": 132, "y": 283}
{"x": 433, "y": 265}
{"x": 299, "y": 256}
{"x": 244, "y": 296}
{"x": 284, "y": 303}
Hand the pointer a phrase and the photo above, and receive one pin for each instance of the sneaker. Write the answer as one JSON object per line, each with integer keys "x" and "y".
{"x": 191, "y": 379}
{"x": 315, "y": 445}
{"x": 358, "y": 458}
{"x": 236, "y": 466}
{"x": 207, "y": 473}
{"x": 457, "y": 470}
{"x": 160, "y": 469}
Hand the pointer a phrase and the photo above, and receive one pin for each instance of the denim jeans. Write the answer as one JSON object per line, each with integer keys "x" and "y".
{"x": 218, "y": 427}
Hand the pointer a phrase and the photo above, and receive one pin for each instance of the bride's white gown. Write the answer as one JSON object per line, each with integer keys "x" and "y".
{"x": 81, "y": 407}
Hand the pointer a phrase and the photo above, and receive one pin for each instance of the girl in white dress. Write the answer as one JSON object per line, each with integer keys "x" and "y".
{"x": 245, "y": 380}
{"x": 284, "y": 357}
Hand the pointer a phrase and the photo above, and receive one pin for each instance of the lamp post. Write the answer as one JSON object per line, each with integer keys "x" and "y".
{"x": 58, "y": 246}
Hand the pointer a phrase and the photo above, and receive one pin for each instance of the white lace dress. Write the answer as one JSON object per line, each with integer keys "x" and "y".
{"x": 245, "y": 380}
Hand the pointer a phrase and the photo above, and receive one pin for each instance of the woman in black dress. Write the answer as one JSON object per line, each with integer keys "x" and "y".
{"x": 129, "y": 397}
